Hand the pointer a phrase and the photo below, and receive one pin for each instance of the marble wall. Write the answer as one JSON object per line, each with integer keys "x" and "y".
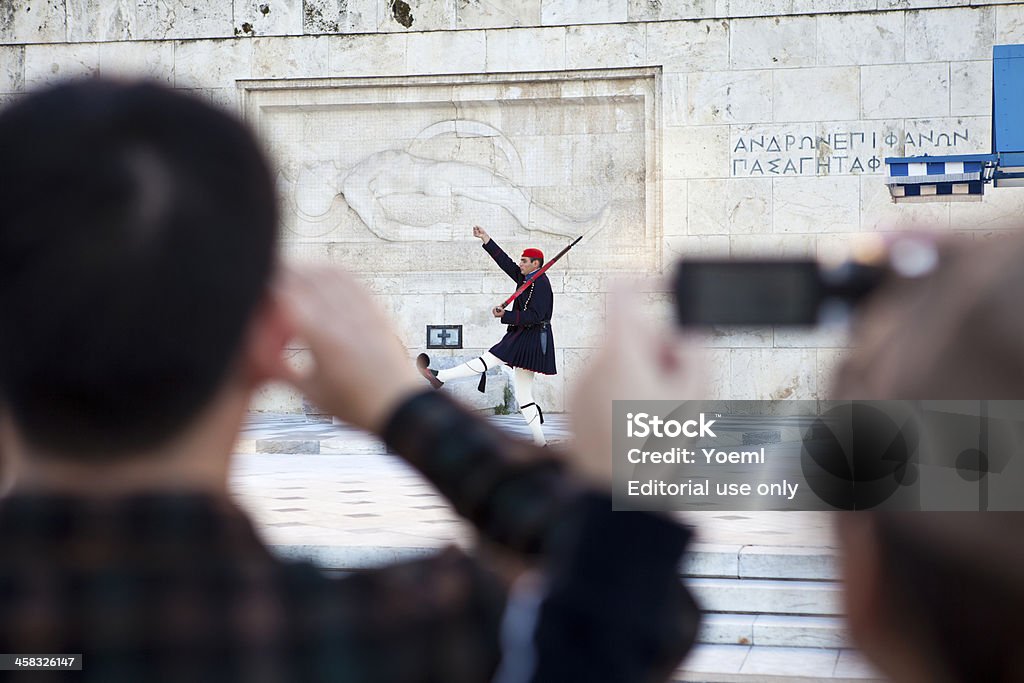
{"x": 661, "y": 128}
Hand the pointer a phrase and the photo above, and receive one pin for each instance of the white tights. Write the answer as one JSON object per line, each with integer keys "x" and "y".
{"x": 523, "y": 388}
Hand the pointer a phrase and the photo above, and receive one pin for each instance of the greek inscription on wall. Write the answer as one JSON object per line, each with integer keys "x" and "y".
{"x": 772, "y": 151}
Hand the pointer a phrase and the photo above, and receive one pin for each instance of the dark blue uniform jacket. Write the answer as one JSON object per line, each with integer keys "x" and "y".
{"x": 528, "y": 320}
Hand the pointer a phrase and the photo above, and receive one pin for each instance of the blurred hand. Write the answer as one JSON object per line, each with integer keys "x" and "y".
{"x": 640, "y": 360}
{"x": 497, "y": 311}
{"x": 481, "y": 234}
{"x": 361, "y": 368}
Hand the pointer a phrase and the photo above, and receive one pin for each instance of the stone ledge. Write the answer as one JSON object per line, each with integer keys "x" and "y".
{"x": 221, "y": 26}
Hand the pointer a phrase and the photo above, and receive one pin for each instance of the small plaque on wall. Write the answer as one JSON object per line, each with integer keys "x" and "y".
{"x": 444, "y": 336}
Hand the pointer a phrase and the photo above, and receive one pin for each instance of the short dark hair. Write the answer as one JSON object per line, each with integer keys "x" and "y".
{"x": 137, "y": 234}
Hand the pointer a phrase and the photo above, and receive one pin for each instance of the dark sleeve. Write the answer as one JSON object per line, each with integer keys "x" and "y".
{"x": 511, "y": 490}
{"x": 616, "y": 609}
{"x": 435, "y": 619}
{"x": 510, "y": 267}
{"x": 539, "y": 308}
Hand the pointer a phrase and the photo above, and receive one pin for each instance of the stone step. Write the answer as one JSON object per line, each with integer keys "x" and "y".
{"x": 761, "y": 562}
{"x": 758, "y": 664}
{"x": 767, "y": 596}
{"x": 703, "y": 560}
{"x": 753, "y": 597}
{"x": 773, "y": 630}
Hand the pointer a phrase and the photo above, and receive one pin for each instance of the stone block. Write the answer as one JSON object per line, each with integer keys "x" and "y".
{"x": 689, "y": 46}
{"x": 44, "y": 21}
{"x": 694, "y": 246}
{"x": 578, "y": 320}
{"x": 729, "y": 97}
{"x": 674, "y": 207}
{"x": 879, "y": 212}
{"x": 773, "y": 42}
{"x": 785, "y": 597}
{"x": 674, "y": 100}
{"x": 340, "y": 16}
{"x": 834, "y": 248}
{"x": 707, "y": 660}
{"x": 970, "y": 88}
{"x": 771, "y": 246}
{"x": 736, "y": 629}
{"x": 367, "y": 55}
{"x": 718, "y": 381}
{"x": 905, "y": 90}
{"x": 605, "y": 46}
{"x": 211, "y": 63}
{"x": 737, "y": 337}
{"x": 818, "y": 204}
{"x": 998, "y": 210}
{"x": 951, "y": 34}
{"x": 696, "y": 152}
{"x": 412, "y": 313}
{"x": 416, "y": 15}
{"x": 830, "y": 6}
{"x": 729, "y": 206}
{"x": 185, "y": 19}
{"x": 48, "y": 64}
{"x": 816, "y": 94}
{"x": 773, "y": 374}
{"x": 753, "y": 8}
{"x": 12, "y": 68}
{"x": 446, "y": 52}
{"x": 810, "y": 338}
{"x": 711, "y": 559}
{"x": 941, "y": 135}
{"x": 529, "y": 49}
{"x": 225, "y": 98}
{"x": 657, "y": 10}
{"x": 656, "y": 308}
{"x": 138, "y": 59}
{"x": 787, "y": 662}
{"x": 292, "y": 57}
{"x": 268, "y": 17}
{"x": 575, "y": 363}
{"x": 569, "y": 12}
{"x": 311, "y": 447}
{"x": 1009, "y": 24}
{"x": 917, "y": 4}
{"x": 827, "y": 365}
{"x": 875, "y": 38}
{"x": 497, "y": 13}
{"x": 100, "y": 20}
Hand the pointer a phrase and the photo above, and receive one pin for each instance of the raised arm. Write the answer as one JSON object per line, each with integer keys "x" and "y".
{"x": 503, "y": 260}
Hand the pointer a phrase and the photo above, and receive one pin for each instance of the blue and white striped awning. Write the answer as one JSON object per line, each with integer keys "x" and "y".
{"x": 927, "y": 178}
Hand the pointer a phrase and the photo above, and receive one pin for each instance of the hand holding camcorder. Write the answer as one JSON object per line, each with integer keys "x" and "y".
{"x": 794, "y": 292}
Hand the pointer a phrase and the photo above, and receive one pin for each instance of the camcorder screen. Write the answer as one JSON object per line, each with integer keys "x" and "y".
{"x": 748, "y": 293}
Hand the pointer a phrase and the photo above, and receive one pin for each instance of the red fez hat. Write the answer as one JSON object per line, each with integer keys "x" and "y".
{"x": 532, "y": 253}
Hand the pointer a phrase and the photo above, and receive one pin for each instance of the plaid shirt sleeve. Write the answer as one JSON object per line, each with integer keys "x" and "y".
{"x": 511, "y": 490}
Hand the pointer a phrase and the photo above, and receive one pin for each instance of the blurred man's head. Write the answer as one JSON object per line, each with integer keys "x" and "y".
{"x": 938, "y": 596}
{"x": 137, "y": 234}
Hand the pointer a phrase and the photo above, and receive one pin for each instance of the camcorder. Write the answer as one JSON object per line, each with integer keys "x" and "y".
{"x": 793, "y": 292}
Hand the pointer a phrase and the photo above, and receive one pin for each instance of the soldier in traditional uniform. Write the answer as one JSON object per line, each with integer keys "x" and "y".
{"x": 527, "y": 346}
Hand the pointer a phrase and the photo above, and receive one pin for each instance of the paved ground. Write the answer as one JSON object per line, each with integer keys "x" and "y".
{"x": 311, "y": 483}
